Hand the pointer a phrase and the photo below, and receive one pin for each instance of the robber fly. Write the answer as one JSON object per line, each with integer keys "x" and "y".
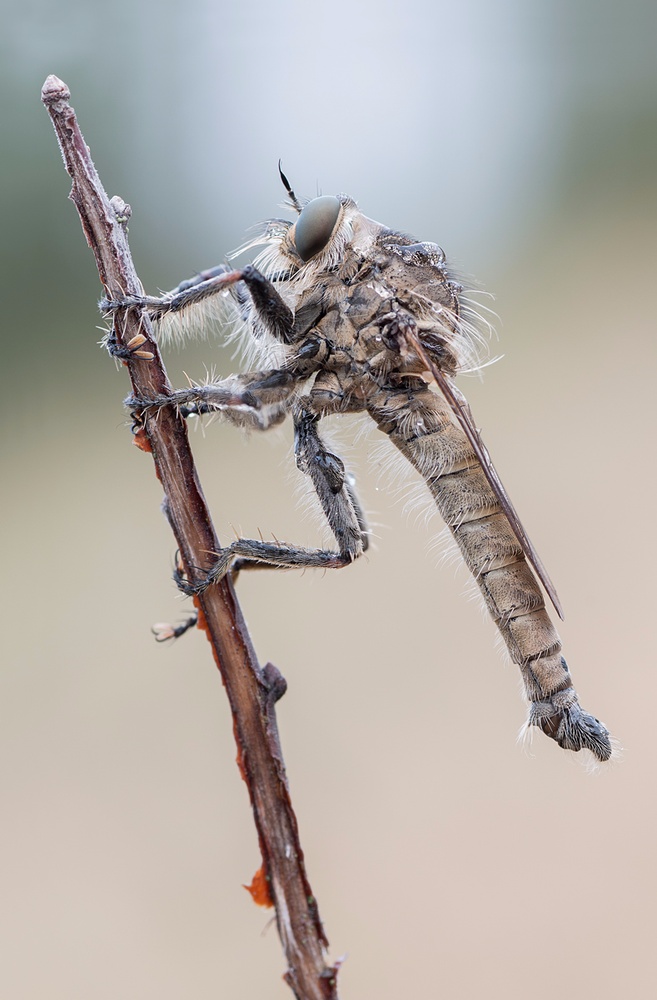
{"x": 354, "y": 317}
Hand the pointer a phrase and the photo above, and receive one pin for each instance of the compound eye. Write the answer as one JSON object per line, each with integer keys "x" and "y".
{"x": 315, "y": 225}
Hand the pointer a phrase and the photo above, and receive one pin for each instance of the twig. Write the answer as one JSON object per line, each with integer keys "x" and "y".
{"x": 252, "y": 691}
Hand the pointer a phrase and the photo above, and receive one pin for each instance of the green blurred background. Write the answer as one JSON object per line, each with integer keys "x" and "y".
{"x": 447, "y": 860}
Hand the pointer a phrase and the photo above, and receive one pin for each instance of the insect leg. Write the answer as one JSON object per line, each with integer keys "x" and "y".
{"x": 332, "y": 484}
{"x": 271, "y": 311}
{"x": 256, "y": 400}
{"x": 253, "y": 399}
{"x": 339, "y": 502}
{"x": 163, "y": 631}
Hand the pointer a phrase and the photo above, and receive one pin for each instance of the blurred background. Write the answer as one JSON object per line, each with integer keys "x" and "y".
{"x": 447, "y": 860}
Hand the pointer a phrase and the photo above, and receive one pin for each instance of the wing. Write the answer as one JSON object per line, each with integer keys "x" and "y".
{"x": 463, "y": 414}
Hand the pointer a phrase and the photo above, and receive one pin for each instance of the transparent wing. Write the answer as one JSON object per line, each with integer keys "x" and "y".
{"x": 463, "y": 414}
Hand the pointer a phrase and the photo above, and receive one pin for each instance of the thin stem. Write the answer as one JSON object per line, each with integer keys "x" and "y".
{"x": 252, "y": 691}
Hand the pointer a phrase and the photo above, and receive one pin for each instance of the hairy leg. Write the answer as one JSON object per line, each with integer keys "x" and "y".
{"x": 339, "y": 503}
{"x": 271, "y": 311}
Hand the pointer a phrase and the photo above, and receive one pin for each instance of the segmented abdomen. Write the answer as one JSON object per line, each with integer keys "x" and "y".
{"x": 420, "y": 423}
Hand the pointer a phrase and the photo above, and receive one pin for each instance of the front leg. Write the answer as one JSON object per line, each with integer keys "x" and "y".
{"x": 272, "y": 314}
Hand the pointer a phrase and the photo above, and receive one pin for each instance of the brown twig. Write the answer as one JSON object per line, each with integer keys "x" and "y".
{"x": 252, "y": 691}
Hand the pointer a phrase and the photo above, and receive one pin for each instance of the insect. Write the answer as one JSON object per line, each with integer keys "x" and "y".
{"x": 350, "y": 316}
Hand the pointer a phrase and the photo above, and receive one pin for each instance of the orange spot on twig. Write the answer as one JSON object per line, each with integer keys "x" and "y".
{"x": 239, "y": 759}
{"x": 259, "y": 889}
{"x": 140, "y": 440}
{"x": 202, "y": 622}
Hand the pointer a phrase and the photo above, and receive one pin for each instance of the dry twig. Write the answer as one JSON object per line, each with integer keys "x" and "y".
{"x": 252, "y": 690}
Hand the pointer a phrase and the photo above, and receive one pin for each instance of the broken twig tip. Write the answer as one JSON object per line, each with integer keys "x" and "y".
{"x": 54, "y": 90}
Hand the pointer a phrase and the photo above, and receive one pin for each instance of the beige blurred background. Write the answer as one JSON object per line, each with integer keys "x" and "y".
{"x": 447, "y": 860}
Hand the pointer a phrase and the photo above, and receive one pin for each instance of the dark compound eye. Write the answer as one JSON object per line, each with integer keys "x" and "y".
{"x": 315, "y": 225}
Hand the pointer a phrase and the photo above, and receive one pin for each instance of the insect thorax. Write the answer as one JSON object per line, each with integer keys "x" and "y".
{"x": 349, "y": 291}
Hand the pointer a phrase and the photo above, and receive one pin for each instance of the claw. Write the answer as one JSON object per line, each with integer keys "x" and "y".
{"x": 163, "y": 631}
{"x": 133, "y": 348}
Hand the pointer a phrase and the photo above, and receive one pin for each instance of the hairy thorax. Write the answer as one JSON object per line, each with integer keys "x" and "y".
{"x": 359, "y": 313}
